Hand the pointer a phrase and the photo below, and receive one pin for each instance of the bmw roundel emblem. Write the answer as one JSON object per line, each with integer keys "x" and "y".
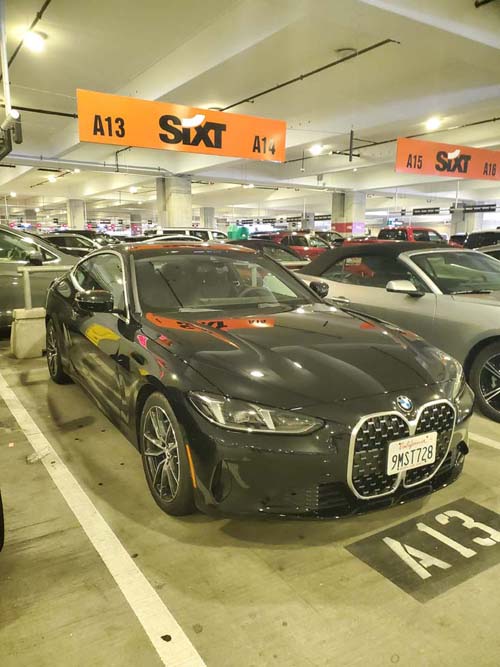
{"x": 405, "y": 403}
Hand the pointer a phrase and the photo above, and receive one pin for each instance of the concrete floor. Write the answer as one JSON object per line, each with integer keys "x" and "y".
{"x": 246, "y": 593}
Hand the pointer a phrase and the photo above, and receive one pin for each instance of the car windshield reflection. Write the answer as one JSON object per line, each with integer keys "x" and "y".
{"x": 460, "y": 272}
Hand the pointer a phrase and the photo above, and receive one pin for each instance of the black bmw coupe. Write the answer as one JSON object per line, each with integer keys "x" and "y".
{"x": 245, "y": 392}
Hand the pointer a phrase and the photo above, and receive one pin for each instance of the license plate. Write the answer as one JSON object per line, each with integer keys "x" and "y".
{"x": 410, "y": 453}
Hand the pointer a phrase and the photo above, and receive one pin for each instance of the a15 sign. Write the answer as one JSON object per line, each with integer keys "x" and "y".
{"x": 128, "y": 121}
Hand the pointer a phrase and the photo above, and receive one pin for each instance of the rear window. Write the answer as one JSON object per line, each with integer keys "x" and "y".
{"x": 392, "y": 234}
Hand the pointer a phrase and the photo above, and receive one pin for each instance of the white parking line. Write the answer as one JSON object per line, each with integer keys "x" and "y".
{"x": 167, "y": 637}
{"x": 485, "y": 441}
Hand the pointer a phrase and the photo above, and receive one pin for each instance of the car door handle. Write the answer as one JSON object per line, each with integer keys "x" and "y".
{"x": 340, "y": 299}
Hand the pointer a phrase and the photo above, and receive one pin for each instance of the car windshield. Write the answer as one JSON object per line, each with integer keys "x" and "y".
{"x": 392, "y": 234}
{"x": 183, "y": 280}
{"x": 460, "y": 271}
{"x": 280, "y": 254}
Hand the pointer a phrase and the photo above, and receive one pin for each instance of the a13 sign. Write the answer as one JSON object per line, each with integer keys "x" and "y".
{"x": 428, "y": 555}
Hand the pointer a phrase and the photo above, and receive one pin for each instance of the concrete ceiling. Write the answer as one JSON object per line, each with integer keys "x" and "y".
{"x": 214, "y": 52}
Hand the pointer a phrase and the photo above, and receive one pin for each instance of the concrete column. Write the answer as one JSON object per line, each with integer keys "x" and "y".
{"x": 173, "y": 199}
{"x": 30, "y": 215}
{"x": 348, "y": 212}
{"x": 161, "y": 205}
{"x": 462, "y": 222}
{"x": 75, "y": 209}
{"x": 207, "y": 216}
{"x": 135, "y": 217}
{"x": 338, "y": 207}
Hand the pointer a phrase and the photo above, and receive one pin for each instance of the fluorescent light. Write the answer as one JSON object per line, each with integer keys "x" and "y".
{"x": 76, "y": 171}
{"x": 316, "y": 149}
{"x": 13, "y": 194}
{"x": 52, "y": 179}
{"x": 37, "y": 210}
{"x": 133, "y": 189}
{"x": 248, "y": 185}
{"x": 34, "y": 41}
{"x": 433, "y": 123}
{"x": 377, "y": 213}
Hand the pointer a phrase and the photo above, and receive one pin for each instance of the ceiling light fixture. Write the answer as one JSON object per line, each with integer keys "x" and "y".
{"x": 76, "y": 171}
{"x": 35, "y": 41}
{"x": 433, "y": 123}
{"x": 37, "y": 210}
{"x": 13, "y": 194}
{"x": 133, "y": 189}
{"x": 52, "y": 179}
{"x": 248, "y": 185}
{"x": 316, "y": 149}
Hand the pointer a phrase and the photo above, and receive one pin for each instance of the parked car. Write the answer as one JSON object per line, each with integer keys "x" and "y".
{"x": 18, "y": 249}
{"x": 483, "y": 238}
{"x": 204, "y": 233}
{"x": 331, "y": 237}
{"x": 101, "y": 238}
{"x": 491, "y": 250}
{"x": 459, "y": 239}
{"x": 285, "y": 256}
{"x": 449, "y": 296}
{"x": 73, "y": 244}
{"x": 413, "y": 234}
{"x": 245, "y": 393}
{"x": 306, "y": 245}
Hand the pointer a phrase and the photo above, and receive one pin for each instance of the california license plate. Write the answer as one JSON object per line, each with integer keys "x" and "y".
{"x": 409, "y": 453}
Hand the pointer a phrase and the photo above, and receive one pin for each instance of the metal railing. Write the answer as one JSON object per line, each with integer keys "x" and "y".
{"x": 26, "y": 272}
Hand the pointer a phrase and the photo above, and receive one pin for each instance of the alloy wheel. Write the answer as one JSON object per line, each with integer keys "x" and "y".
{"x": 161, "y": 452}
{"x": 52, "y": 350}
{"x": 489, "y": 382}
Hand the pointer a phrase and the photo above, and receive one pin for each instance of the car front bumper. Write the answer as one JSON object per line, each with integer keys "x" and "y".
{"x": 253, "y": 474}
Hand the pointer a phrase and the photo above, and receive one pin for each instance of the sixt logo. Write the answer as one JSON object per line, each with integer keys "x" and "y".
{"x": 178, "y": 131}
{"x": 452, "y": 162}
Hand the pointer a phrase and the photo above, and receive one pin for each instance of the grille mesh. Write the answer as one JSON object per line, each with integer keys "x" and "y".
{"x": 369, "y": 476}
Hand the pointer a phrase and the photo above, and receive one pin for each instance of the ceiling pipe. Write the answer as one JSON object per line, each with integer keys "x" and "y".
{"x": 480, "y": 3}
{"x": 48, "y": 112}
{"x": 301, "y": 77}
{"x": 5, "y": 63}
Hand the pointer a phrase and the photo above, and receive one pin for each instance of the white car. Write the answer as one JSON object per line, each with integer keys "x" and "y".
{"x": 203, "y": 233}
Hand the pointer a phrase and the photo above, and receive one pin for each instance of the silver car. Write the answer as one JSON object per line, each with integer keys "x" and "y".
{"x": 491, "y": 250}
{"x": 18, "y": 249}
{"x": 449, "y": 296}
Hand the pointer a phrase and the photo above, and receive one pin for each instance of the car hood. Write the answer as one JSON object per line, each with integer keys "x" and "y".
{"x": 313, "y": 354}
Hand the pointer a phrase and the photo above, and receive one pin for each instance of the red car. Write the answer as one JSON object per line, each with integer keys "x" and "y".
{"x": 411, "y": 234}
{"x": 304, "y": 244}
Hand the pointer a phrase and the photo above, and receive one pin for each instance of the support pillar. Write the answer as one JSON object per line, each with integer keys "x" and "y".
{"x": 348, "y": 212}
{"x": 207, "y": 216}
{"x": 75, "y": 210}
{"x": 30, "y": 216}
{"x": 173, "y": 199}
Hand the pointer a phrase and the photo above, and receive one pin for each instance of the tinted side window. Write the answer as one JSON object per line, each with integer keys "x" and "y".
{"x": 200, "y": 233}
{"x": 368, "y": 270}
{"x": 392, "y": 234}
{"x": 437, "y": 238}
{"x": 102, "y": 272}
{"x": 420, "y": 235}
{"x": 14, "y": 248}
{"x": 297, "y": 240}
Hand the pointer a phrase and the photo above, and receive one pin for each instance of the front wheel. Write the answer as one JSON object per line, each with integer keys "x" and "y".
{"x": 485, "y": 381}
{"x": 164, "y": 457}
{"x": 54, "y": 362}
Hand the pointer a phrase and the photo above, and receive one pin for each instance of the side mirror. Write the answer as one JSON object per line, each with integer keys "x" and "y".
{"x": 403, "y": 287}
{"x": 95, "y": 301}
{"x": 35, "y": 259}
{"x": 320, "y": 288}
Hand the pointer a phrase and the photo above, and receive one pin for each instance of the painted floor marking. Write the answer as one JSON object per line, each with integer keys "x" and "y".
{"x": 151, "y": 612}
{"x": 483, "y": 440}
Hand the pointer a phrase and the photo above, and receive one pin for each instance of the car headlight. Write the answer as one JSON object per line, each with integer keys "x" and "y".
{"x": 242, "y": 416}
{"x": 459, "y": 383}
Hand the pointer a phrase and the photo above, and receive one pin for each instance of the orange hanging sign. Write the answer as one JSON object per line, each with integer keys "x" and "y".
{"x": 435, "y": 159}
{"x": 128, "y": 121}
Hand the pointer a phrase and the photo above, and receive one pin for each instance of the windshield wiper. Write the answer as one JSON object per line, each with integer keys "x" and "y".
{"x": 473, "y": 291}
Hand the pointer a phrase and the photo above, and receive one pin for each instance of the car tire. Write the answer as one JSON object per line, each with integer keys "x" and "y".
{"x": 484, "y": 379}
{"x": 164, "y": 457}
{"x": 54, "y": 362}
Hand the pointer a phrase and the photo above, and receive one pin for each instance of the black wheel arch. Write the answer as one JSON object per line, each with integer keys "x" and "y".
{"x": 477, "y": 349}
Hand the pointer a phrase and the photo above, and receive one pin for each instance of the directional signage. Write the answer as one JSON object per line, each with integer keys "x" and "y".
{"x": 128, "y": 121}
{"x": 434, "y": 159}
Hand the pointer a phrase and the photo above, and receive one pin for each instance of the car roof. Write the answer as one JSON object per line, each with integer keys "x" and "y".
{"x": 383, "y": 248}
{"x": 489, "y": 248}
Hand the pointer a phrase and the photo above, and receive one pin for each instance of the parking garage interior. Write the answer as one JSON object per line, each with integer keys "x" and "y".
{"x": 249, "y": 333}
